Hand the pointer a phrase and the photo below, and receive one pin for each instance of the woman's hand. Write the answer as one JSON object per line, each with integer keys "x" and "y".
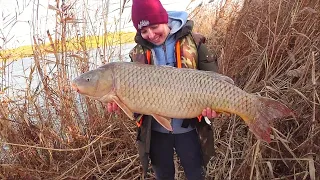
{"x": 209, "y": 113}
{"x": 113, "y": 107}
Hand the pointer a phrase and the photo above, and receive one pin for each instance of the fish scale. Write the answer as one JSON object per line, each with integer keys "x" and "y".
{"x": 167, "y": 92}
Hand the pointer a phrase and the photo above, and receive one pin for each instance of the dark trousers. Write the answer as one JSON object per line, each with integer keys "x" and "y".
{"x": 188, "y": 149}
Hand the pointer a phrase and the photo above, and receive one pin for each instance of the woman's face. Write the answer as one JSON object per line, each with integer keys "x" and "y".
{"x": 155, "y": 34}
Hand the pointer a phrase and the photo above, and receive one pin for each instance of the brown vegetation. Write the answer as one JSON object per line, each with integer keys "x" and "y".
{"x": 270, "y": 48}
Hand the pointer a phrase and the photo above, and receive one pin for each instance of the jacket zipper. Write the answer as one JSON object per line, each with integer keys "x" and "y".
{"x": 164, "y": 48}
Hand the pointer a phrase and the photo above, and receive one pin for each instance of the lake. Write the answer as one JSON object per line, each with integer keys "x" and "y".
{"x": 19, "y": 73}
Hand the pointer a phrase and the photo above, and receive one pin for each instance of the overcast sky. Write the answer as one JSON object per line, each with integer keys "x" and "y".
{"x": 19, "y": 19}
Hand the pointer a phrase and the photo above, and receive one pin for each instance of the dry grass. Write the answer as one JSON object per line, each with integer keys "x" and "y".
{"x": 271, "y": 48}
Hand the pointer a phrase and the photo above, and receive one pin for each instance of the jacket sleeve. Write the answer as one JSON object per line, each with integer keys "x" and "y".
{"x": 207, "y": 61}
{"x": 137, "y": 54}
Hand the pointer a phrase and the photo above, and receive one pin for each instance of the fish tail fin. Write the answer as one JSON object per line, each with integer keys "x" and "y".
{"x": 268, "y": 110}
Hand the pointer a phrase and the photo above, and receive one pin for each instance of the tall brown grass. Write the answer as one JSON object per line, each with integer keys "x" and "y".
{"x": 270, "y": 48}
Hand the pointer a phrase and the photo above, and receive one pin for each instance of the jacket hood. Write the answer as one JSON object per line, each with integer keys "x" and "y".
{"x": 176, "y": 20}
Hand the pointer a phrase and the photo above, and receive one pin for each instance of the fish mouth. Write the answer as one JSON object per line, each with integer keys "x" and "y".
{"x": 74, "y": 87}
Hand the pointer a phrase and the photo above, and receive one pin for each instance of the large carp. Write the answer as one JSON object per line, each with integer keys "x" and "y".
{"x": 166, "y": 92}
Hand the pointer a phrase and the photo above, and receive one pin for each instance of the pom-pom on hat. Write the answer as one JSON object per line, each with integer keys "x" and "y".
{"x": 148, "y": 12}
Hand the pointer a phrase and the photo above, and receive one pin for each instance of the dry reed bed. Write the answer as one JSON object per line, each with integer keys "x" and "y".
{"x": 48, "y": 132}
{"x": 271, "y": 49}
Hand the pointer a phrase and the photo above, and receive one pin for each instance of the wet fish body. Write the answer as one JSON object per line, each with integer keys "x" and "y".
{"x": 167, "y": 92}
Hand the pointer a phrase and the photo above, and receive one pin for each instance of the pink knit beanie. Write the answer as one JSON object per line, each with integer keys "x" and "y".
{"x": 148, "y": 12}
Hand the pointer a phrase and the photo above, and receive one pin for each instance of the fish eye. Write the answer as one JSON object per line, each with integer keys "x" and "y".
{"x": 88, "y": 79}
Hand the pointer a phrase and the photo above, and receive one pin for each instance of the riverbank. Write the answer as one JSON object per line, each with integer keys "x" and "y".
{"x": 71, "y": 44}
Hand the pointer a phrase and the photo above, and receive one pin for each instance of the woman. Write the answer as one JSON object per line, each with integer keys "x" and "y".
{"x": 166, "y": 38}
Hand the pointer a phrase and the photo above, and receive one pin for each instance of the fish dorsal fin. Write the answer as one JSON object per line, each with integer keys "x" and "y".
{"x": 220, "y": 76}
{"x": 227, "y": 79}
{"x": 165, "y": 122}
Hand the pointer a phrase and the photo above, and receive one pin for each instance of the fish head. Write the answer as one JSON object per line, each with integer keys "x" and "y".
{"x": 96, "y": 84}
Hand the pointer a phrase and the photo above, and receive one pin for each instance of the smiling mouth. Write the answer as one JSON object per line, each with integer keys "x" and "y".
{"x": 156, "y": 39}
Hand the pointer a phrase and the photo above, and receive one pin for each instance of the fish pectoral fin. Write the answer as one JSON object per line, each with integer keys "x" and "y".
{"x": 165, "y": 122}
{"x": 122, "y": 106}
{"x": 106, "y": 98}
